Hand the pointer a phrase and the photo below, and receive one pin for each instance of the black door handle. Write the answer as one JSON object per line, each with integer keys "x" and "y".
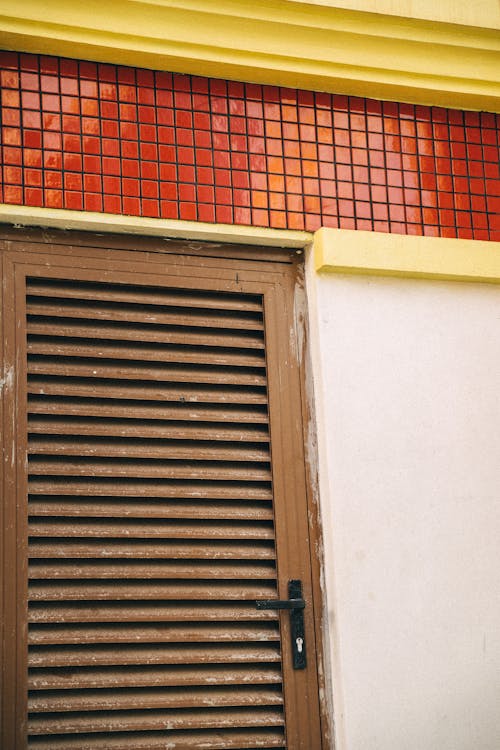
{"x": 295, "y": 604}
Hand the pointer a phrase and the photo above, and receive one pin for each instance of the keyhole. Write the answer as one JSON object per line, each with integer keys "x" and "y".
{"x": 300, "y": 642}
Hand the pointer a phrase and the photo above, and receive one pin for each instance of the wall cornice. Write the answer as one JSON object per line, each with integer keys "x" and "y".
{"x": 408, "y": 256}
{"x": 281, "y": 42}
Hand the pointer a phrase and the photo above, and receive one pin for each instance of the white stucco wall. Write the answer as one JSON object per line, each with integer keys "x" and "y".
{"x": 407, "y": 389}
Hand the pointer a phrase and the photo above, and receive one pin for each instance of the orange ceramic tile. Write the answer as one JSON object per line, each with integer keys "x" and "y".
{"x": 222, "y": 133}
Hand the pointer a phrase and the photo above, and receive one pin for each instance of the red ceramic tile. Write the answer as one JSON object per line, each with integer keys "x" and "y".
{"x": 150, "y": 208}
{"x": 130, "y": 168}
{"x": 220, "y": 142}
{"x": 329, "y": 207}
{"x": 241, "y": 180}
{"x": 205, "y": 193}
{"x": 73, "y": 181}
{"x": 12, "y": 175}
{"x": 307, "y": 132}
{"x": 363, "y": 209}
{"x": 241, "y": 215}
{"x": 168, "y": 209}
{"x": 51, "y": 121}
{"x": 379, "y": 193}
{"x": 90, "y": 126}
{"x": 11, "y": 117}
{"x": 112, "y": 204}
{"x": 204, "y": 157}
{"x": 242, "y": 198}
{"x": 49, "y": 64}
{"x": 187, "y": 193}
{"x": 328, "y": 188}
{"x": 205, "y": 175}
{"x": 345, "y": 189}
{"x": 12, "y": 194}
{"x": 11, "y": 136}
{"x": 361, "y": 192}
{"x": 149, "y": 151}
{"x": 186, "y": 173}
{"x": 146, "y": 114}
{"x": 346, "y": 207}
{"x": 224, "y": 214}
{"x": 411, "y": 179}
{"x": 185, "y": 137}
{"x": 206, "y": 213}
{"x": 380, "y": 212}
{"x": 109, "y": 129}
{"x": 414, "y": 215}
{"x": 53, "y": 198}
{"x": 9, "y": 78}
{"x": 73, "y": 200}
{"x": 49, "y": 84}
{"x": 397, "y": 213}
{"x": 312, "y": 222}
{"x": 111, "y": 165}
{"x": 360, "y": 174}
{"x": 166, "y": 135}
{"x": 92, "y": 202}
{"x": 29, "y": 99}
{"x": 223, "y": 196}
{"x": 306, "y": 115}
{"x": 359, "y": 156}
{"x": 169, "y": 191}
{"x": 145, "y": 96}
{"x": 238, "y": 129}
{"x": 33, "y": 196}
{"x": 127, "y": 112}
{"x": 33, "y": 177}
{"x": 72, "y": 143}
{"x": 221, "y": 133}
{"x": 29, "y": 119}
{"x": 92, "y": 183}
{"x": 327, "y": 171}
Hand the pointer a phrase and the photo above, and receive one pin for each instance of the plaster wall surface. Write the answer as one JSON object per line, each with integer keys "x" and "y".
{"x": 408, "y": 405}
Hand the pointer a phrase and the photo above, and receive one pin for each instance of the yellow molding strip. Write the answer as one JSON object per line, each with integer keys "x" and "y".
{"x": 280, "y": 42}
{"x": 60, "y": 218}
{"x": 374, "y": 253}
{"x": 335, "y": 250}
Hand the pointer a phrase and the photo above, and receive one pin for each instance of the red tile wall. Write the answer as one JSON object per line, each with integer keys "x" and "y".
{"x": 87, "y": 136}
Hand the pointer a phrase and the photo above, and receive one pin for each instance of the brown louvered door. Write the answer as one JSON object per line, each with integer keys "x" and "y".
{"x": 158, "y": 400}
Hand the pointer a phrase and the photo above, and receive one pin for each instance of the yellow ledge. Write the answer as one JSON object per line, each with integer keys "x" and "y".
{"x": 374, "y": 253}
{"x": 88, "y": 221}
{"x": 282, "y": 42}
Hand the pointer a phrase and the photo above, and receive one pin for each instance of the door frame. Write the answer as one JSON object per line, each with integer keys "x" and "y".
{"x": 264, "y": 250}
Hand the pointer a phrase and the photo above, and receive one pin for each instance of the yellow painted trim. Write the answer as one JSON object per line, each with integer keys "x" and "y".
{"x": 476, "y": 13}
{"x": 375, "y": 253}
{"x": 281, "y": 42}
{"x": 59, "y": 218}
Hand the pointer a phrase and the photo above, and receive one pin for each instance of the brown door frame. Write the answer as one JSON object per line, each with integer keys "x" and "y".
{"x": 291, "y": 482}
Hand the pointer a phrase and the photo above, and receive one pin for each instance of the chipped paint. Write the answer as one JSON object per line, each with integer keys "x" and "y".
{"x": 7, "y": 382}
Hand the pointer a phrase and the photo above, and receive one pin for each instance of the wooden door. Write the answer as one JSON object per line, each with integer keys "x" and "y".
{"x": 154, "y": 490}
